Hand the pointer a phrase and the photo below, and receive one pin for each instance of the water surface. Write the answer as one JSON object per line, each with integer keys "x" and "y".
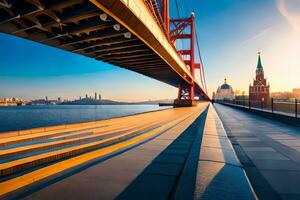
{"x": 25, "y": 117}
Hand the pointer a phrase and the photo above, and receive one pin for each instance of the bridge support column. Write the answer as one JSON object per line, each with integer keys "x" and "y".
{"x": 185, "y": 96}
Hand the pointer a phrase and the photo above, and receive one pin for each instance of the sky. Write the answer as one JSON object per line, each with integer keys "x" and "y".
{"x": 230, "y": 34}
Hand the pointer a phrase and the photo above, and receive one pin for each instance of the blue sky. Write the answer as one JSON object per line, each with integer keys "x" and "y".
{"x": 230, "y": 34}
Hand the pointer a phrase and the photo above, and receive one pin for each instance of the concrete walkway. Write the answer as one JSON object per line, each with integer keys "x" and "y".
{"x": 35, "y": 156}
{"x": 107, "y": 176}
{"x": 269, "y": 152}
{"x": 191, "y": 158}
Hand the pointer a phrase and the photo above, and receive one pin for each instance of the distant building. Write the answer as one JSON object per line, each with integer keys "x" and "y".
{"x": 241, "y": 96}
{"x": 13, "y": 102}
{"x": 296, "y": 93}
{"x": 46, "y": 98}
{"x": 39, "y": 102}
{"x": 96, "y": 95}
{"x": 260, "y": 90}
{"x": 224, "y": 92}
{"x": 282, "y": 95}
{"x": 99, "y": 97}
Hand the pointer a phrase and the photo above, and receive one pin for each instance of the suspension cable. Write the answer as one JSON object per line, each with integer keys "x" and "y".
{"x": 177, "y": 8}
{"x": 178, "y": 16}
{"x": 198, "y": 48}
{"x": 201, "y": 63}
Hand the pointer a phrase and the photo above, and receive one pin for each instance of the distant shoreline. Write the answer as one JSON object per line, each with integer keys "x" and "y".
{"x": 103, "y": 104}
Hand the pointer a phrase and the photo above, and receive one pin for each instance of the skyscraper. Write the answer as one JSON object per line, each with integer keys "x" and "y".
{"x": 95, "y": 95}
{"x": 99, "y": 97}
{"x": 259, "y": 92}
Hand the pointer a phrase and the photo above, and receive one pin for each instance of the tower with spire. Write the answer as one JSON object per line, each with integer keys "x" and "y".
{"x": 259, "y": 92}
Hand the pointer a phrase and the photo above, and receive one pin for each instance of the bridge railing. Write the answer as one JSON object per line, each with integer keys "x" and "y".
{"x": 141, "y": 10}
{"x": 279, "y": 106}
{"x": 153, "y": 8}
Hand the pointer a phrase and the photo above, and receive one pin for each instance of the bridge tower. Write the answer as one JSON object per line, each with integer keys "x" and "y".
{"x": 185, "y": 29}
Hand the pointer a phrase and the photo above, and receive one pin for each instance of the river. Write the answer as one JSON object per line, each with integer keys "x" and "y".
{"x": 26, "y": 117}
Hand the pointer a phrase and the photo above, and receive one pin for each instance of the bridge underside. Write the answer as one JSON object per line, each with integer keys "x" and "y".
{"x": 81, "y": 27}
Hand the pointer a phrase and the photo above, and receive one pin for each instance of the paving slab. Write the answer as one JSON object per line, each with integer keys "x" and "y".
{"x": 268, "y": 164}
{"x": 266, "y": 155}
{"x": 283, "y": 181}
{"x": 163, "y": 169}
{"x": 149, "y": 186}
{"x": 221, "y": 181}
{"x": 258, "y": 149}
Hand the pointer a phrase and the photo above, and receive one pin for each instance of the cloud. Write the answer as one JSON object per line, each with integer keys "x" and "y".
{"x": 254, "y": 38}
{"x": 285, "y": 8}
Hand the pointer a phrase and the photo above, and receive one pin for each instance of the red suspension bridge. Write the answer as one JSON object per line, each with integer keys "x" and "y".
{"x": 134, "y": 34}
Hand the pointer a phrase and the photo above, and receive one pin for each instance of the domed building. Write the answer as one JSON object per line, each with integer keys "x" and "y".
{"x": 224, "y": 92}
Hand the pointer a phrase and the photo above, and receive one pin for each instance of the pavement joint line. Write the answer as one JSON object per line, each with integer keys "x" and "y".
{"x": 220, "y": 136}
{"x": 216, "y": 161}
{"x": 40, "y": 174}
{"x": 215, "y": 147}
{"x": 92, "y": 130}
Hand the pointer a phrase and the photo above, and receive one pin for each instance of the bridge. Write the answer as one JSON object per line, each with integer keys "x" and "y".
{"x": 206, "y": 151}
{"x": 134, "y": 34}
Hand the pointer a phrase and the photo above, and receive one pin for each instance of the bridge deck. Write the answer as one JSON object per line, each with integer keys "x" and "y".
{"x": 269, "y": 151}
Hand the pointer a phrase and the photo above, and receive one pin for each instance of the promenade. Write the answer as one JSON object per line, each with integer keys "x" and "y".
{"x": 32, "y": 156}
{"x": 203, "y": 152}
{"x": 155, "y": 155}
{"x": 268, "y": 150}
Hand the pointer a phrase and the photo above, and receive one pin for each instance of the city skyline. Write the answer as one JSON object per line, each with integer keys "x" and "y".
{"x": 231, "y": 34}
